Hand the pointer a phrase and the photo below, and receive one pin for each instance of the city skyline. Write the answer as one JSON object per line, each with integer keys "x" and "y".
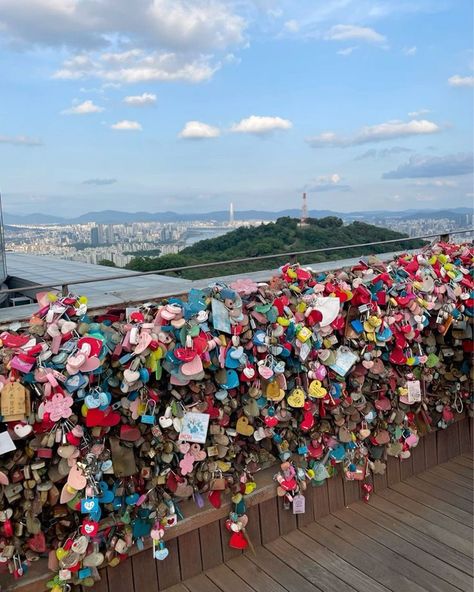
{"x": 190, "y": 107}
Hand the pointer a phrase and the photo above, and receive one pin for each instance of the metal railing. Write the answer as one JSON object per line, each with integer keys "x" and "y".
{"x": 288, "y": 255}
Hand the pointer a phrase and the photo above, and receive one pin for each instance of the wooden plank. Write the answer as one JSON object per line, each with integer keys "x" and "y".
{"x": 225, "y": 579}
{"x": 464, "y": 436}
{"x": 255, "y": 577}
{"x": 269, "y": 520}
{"x": 451, "y": 556}
{"x": 442, "y": 446}
{"x": 176, "y": 588}
{"x": 286, "y": 517}
{"x": 357, "y": 557}
{"x": 441, "y": 494}
{"x": 335, "y": 493}
{"x": 459, "y": 490}
{"x": 145, "y": 576}
{"x": 312, "y": 572}
{"x": 454, "y": 448}
{"x": 253, "y": 526}
{"x": 379, "y": 552}
{"x": 169, "y": 572}
{"x": 462, "y": 460}
{"x": 287, "y": 577}
{"x": 393, "y": 470}
{"x": 211, "y": 545}
{"x": 338, "y": 566}
{"x": 431, "y": 454}
{"x": 430, "y": 501}
{"x": 190, "y": 554}
{"x": 320, "y": 500}
{"x": 308, "y": 516}
{"x": 200, "y": 583}
{"x": 442, "y": 472}
{"x": 434, "y": 565}
{"x": 227, "y": 552}
{"x": 459, "y": 470}
{"x": 406, "y": 468}
{"x": 380, "y": 481}
{"x": 120, "y": 578}
{"x": 351, "y": 491}
{"x": 433, "y": 530}
{"x": 434, "y": 516}
{"x": 418, "y": 456}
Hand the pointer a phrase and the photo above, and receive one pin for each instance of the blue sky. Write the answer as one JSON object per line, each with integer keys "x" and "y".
{"x": 187, "y": 105}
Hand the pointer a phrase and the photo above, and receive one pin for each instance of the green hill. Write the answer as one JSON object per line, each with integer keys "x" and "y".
{"x": 282, "y": 236}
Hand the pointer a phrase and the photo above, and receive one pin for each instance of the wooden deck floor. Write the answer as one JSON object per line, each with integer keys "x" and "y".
{"x": 416, "y": 535}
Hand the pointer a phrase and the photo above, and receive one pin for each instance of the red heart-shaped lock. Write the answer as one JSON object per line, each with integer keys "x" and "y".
{"x": 238, "y": 541}
{"x": 215, "y": 498}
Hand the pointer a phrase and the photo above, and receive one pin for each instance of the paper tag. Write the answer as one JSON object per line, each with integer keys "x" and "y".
{"x": 6, "y": 443}
{"x": 299, "y": 504}
{"x": 13, "y": 400}
{"x": 194, "y": 427}
{"x": 414, "y": 391}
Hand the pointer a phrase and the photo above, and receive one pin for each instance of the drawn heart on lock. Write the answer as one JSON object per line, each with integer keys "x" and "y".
{"x": 80, "y": 545}
{"x": 76, "y": 478}
{"x": 88, "y": 505}
{"x": 296, "y": 398}
{"x": 238, "y": 541}
{"x": 22, "y": 430}
{"x": 248, "y": 372}
{"x": 271, "y": 421}
{"x": 243, "y": 427}
{"x": 89, "y": 528}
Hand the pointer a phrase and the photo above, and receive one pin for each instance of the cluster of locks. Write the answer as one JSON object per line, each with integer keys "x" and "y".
{"x": 110, "y": 420}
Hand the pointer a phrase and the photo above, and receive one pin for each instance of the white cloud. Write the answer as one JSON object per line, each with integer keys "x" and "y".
{"x": 292, "y": 26}
{"x": 376, "y": 133}
{"x": 345, "y": 32}
{"x": 347, "y": 50}
{"x": 136, "y": 65}
{"x": 261, "y": 126}
{"x": 327, "y": 183}
{"x": 196, "y": 130}
{"x": 126, "y": 125}
{"x": 410, "y": 51}
{"x": 175, "y": 24}
{"x": 140, "y": 100}
{"x": 419, "y": 113}
{"x": 84, "y": 108}
{"x": 460, "y": 81}
{"x": 436, "y": 183}
{"x": 20, "y": 141}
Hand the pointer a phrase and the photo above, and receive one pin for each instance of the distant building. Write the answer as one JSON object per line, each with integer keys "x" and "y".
{"x": 109, "y": 234}
{"x": 94, "y": 236}
{"x": 231, "y": 214}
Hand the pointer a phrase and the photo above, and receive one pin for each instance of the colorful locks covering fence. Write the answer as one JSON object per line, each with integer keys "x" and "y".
{"x": 109, "y": 421}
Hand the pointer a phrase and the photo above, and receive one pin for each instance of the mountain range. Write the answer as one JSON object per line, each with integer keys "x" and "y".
{"x": 118, "y": 217}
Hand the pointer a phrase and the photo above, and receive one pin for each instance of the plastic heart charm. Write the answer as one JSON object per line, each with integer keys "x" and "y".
{"x": 317, "y": 390}
{"x": 238, "y": 541}
{"x": 296, "y": 398}
{"x": 89, "y": 528}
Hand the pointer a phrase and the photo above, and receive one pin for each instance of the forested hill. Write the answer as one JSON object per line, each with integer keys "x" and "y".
{"x": 282, "y": 236}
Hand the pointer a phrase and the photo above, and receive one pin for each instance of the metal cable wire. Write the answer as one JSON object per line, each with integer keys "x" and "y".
{"x": 233, "y": 261}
